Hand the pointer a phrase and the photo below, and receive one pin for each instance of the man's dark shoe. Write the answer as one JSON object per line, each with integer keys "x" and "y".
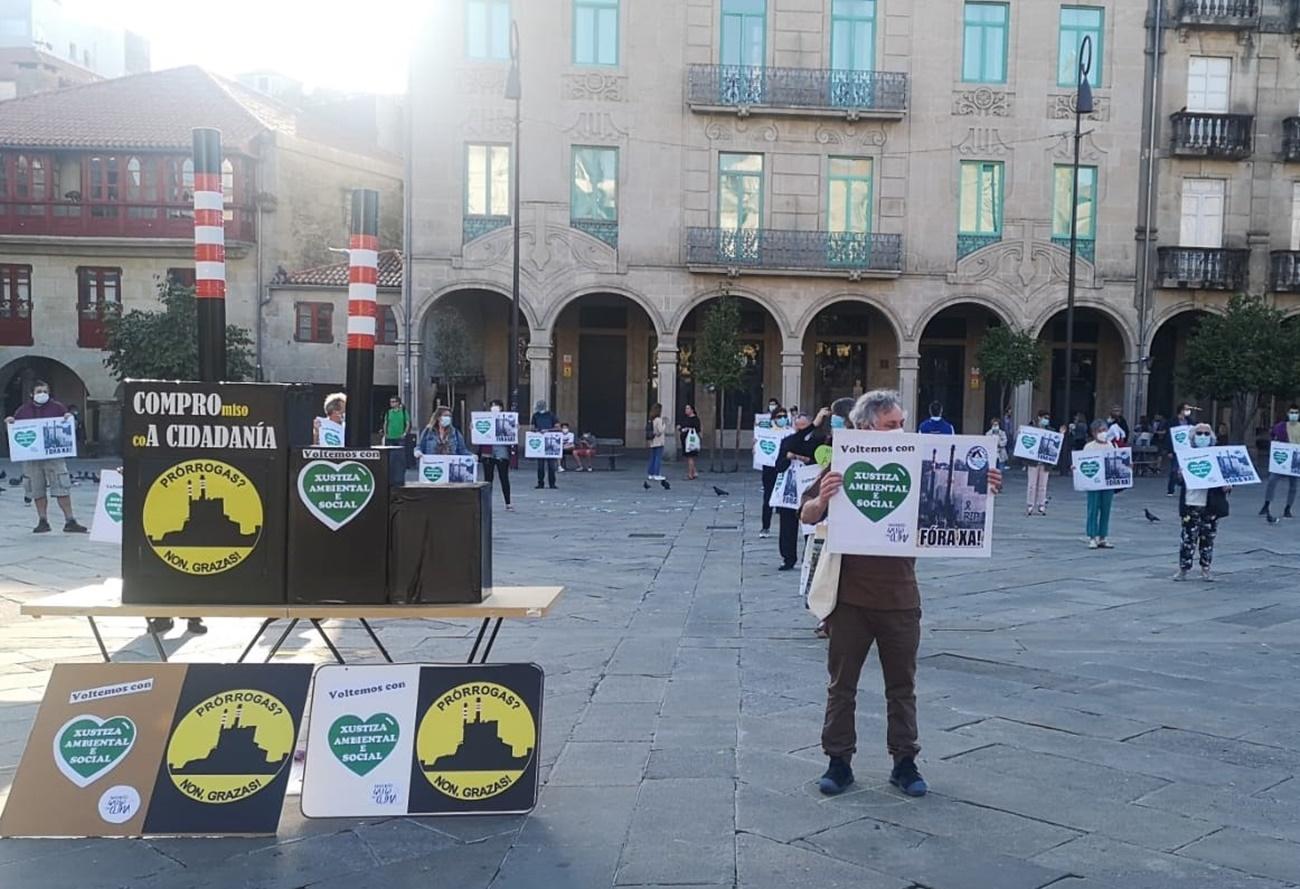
{"x": 541, "y": 487}
{"x": 195, "y": 626}
{"x": 72, "y": 526}
{"x": 1286, "y": 513}
{"x": 788, "y": 566}
{"x": 42, "y": 527}
{"x": 907, "y": 779}
{"x": 838, "y": 777}
{"x": 553, "y": 488}
{"x": 160, "y": 624}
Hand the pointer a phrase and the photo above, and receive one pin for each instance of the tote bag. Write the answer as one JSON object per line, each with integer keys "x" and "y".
{"x": 824, "y": 585}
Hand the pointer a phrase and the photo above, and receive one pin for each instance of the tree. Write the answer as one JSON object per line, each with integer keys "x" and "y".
{"x": 164, "y": 345}
{"x": 451, "y": 350}
{"x": 718, "y": 360}
{"x": 1245, "y": 353}
{"x": 1010, "y": 358}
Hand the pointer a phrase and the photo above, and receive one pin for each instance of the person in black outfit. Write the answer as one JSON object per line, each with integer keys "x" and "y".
{"x": 780, "y": 420}
{"x": 544, "y": 421}
{"x": 797, "y": 449}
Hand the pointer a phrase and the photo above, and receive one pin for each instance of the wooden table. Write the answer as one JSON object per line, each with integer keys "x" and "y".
{"x": 105, "y": 600}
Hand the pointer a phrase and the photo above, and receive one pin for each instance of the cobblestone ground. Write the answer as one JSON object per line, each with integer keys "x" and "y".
{"x": 1086, "y": 722}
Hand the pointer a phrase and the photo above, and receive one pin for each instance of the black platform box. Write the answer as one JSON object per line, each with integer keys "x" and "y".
{"x": 440, "y": 544}
{"x": 338, "y": 523}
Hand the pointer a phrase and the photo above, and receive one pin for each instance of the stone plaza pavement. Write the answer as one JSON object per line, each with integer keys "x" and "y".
{"x": 1086, "y": 722}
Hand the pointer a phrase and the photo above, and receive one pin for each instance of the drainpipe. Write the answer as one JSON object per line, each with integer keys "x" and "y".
{"x": 263, "y": 292}
{"x": 1147, "y": 188}
{"x": 408, "y": 373}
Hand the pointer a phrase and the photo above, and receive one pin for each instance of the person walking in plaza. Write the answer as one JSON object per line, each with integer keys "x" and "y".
{"x": 396, "y": 426}
{"x": 780, "y": 421}
{"x": 1099, "y": 502}
{"x": 1182, "y": 418}
{"x": 1200, "y": 511}
{"x": 1118, "y": 429}
{"x": 43, "y": 479}
{"x": 1038, "y": 474}
{"x": 995, "y": 429}
{"x": 689, "y": 432}
{"x": 441, "y": 437}
{"x": 497, "y": 463}
{"x": 798, "y": 449}
{"x": 878, "y": 601}
{"x": 1288, "y": 431}
{"x": 544, "y": 421}
{"x": 936, "y": 424}
{"x": 656, "y": 429}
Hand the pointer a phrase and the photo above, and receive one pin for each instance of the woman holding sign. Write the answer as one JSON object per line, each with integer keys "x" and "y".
{"x": 1039, "y": 473}
{"x": 1200, "y": 511}
{"x": 1287, "y": 431}
{"x": 440, "y": 437}
{"x": 1098, "y": 525}
{"x": 498, "y": 463}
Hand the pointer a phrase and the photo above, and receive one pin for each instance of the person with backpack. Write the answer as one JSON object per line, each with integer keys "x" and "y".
{"x": 396, "y": 426}
{"x": 655, "y": 429}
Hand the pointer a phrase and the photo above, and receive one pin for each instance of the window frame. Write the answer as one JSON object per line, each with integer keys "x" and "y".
{"x": 99, "y": 282}
{"x": 850, "y": 20}
{"x": 386, "y": 313}
{"x": 999, "y": 204}
{"x": 760, "y": 176}
{"x": 832, "y": 177}
{"x": 487, "y": 179}
{"x": 16, "y": 304}
{"x": 595, "y": 8}
{"x": 742, "y": 17}
{"x": 1057, "y": 170}
{"x": 1227, "y": 97}
{"x": 1295, "y": 215}
{"x": 1220, "y": 190}
{"x": 573, "y": 182}
{"x": 317, "y": 313}
{"x": 1098, "y": 45}
{"x": 488, "y": 5}
{"x": 1005, "y": 27}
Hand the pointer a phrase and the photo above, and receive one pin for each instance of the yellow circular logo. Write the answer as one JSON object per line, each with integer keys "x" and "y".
{"x": 203, "y": 516}
{"x": 475, "y": 741}
{"x": 230, "y": 746}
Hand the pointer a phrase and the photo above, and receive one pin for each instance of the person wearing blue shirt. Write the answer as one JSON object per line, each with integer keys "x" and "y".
{"x": 936, "y": 425}
{"x": 441, "y": 437}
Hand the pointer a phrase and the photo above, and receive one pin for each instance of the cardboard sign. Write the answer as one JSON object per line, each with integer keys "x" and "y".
{"x": 408, "y": 739}
{"x": 158, "y": 749}
{"x": 1180, "y": 438}
{"x": 1216, "y": 467}
{"x": 48, "y": 438}
{"x": 330, "y": 434}
{"x": 499, "y": 428}
{"x": 767, "y": 444}
{"x": 1038, "y": 444}
{"x": 1103, "y": 469}
{"x": 107, "y": 524}
{"x": 791, "y": 484}
{"x": 448, "y": 469}
{"x": 763, "y": 421}
{"x": 912, "y": 495}
{"x": 1284, "y": 458}
{"x": 544, "y": 445}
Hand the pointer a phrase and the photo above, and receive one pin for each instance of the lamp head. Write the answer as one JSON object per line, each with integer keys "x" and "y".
{"x": 1083, "y": 101}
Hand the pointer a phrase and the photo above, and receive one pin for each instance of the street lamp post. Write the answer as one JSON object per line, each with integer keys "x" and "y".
{"x": 514, "y": 92}
{"x": 1082, "y": 106}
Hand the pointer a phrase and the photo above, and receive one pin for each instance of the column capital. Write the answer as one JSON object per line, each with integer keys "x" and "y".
{"x": 540, "y": 351}
{"x": 791, "y": 359}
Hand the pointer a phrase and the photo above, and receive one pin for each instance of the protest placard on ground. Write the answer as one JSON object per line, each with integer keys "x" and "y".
{"x": 107, "y": 525}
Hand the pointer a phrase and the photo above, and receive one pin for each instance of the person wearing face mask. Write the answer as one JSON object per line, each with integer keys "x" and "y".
{"x": 656, "y": 430}
{"x": 1099, "y": 502}
{"x": 441, "y": 437}
{"x": 544, "y": 421}
{"x": 1287, "y": 430}
{"x": 936, "y": 425}
{"x": 1182, "y": 418}
{"x": 995, "y": 429}
{"x": 43, "y": 479}
{"x": 1118, "y": 429}
{"x": 878, "y": 602}
{"x": 1199, "y": 512}
{"x": 1038, "y": 475}
{"x": 781, "y": 421}
{"x": 498, "y": 461}
{"x": 797, "y": 449}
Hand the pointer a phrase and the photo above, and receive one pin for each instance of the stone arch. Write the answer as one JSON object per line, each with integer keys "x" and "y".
{"x": 1169, "y": 313}
{"x": 1004, "y": 313}
{"x": 422, "y": 306}
{"x": 851, "y": 353}
{"x": 837, "y": 296}
{"x": 554, "y": 310}
{"x": 1127, "y": 337}
{"x": 947, "y": 350}
{"x": 679, "y": 317}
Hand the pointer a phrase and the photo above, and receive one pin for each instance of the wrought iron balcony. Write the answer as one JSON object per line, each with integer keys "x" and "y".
{"x": 851, "y": 254}
{"x": 1202, "y": 268}
{"x": 1284, "y": 271}
{"x": 968, "y": 244}
{"x": 1223, "y": 14}
{"x": 817, "y": 91}
{"x": 1198, "y": 134}
{"x": 1086, "y": 247}
{"x": 599, "y": 229}
{"x": 1291, "y": 139}
{"x": 478, "y": 226}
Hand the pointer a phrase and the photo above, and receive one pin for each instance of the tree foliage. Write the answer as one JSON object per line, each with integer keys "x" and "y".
{"x": 451, "y": 351}
{"x": 1008, "y": 358}
{"x": 164, "y": 344}
{"x": 717, "y": 346}
{"x": 1245, "y": 353}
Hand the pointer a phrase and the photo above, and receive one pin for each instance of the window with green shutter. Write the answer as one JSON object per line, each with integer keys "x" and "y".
{"x": 593, "y": 195}
{"x": 849, "y": 195}
{"x": 487, "y": 29}
{"x": 853, "y": 35}
{"x": 1078, "y": 22}
{"x": 487, "y": 189}
{"x": 1085, "y": 208}
{"x": 984, "y": 43}
{"x": 595, "y": 32}
{"x": 744, "y": 32}
{"x": 979, "y": 206}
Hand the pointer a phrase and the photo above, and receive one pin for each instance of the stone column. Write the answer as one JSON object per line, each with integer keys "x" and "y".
{"x": 666, "y": 360}
{"x": 792, "y": 375}
{"x": 1022, "y": 406}
{"x": 909, "y": 375}
{"x": 1132, "y": 374}
{"x": 540, "y": 352}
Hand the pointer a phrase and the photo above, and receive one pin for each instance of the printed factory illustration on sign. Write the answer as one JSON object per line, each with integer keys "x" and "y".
{"x": 912, "y": 495}
{"x": 423, "y": 740}
{"x": 158, "y": 749}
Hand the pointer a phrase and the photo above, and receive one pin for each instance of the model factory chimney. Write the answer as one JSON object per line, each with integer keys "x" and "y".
{"x": 209, "y": 255}
{"x": 363, "y": 281}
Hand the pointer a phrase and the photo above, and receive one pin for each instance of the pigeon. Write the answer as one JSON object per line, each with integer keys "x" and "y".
{"x": 720, "y": 492}
{"x": 1150, "y": 516}
{"x": 646, "y": 485}
{"x": 664, "y": 482}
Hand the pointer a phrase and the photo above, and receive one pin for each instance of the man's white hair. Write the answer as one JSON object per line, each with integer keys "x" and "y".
{"x": 872, "y": 404}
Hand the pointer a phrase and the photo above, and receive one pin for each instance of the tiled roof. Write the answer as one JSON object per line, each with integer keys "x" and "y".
{"x": 336, "y": 275}
{"x": 155, "y": 110}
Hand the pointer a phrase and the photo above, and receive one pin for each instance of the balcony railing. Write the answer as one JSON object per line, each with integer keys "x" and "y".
{"x": 114, "y": 220}
{"x": 600, "y": 229}
{"x": 1291, "y": 139}
{"x": 968, "y": 244}
{"x": 1086, "y": 247}
{"x": 15, "y": 323}
{"x": 848, "y": 253}
{"x": 1198, "y": 134}
{"x": 92, "y": 324}
{"x": 478, "y": 226}
{"x": 1284, "y": 271}
{"x": 1229, "y": 14}
{"x": 1203, "y": 268}
{"x": 795, "y": 90}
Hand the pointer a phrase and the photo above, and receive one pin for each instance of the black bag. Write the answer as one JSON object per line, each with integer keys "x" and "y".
{"x": 649, "y": 430}
{"x": 1216, "y": 503}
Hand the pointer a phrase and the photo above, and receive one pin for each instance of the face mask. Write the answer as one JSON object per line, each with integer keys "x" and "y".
{"x": 1187, "y": 413}
{"x": 837, "y": 422}
{"x": 496, "y": 408}
{"x": 782, "y": 421}
{"x": 1044, "y": 422}
{"x": 1293, "y": 416}
{"x": 41, "y": 397}
{"x": 771, "y": 406}
{"x": 444, "y": 422}
{"x": 994, "y": 427}
{"x": 1202, "y": 441}
{"x": 1101, "y": 436}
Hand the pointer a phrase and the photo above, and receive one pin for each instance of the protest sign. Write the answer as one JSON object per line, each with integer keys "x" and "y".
{"x": 791, "y": 484}
{"x": 766, "y": 444}
{"x": 1103, "y": 469}
{"x": 1038, "y": 444}
{"x": 763, "y": 421}
{"x": 912, "y": 495}
{"x": 1180, "y": 438}
{"x": 107, "y": 525}
{"x": 331, "y": 434}
{"x": 1284, "y": 458}
{"x": 47, "y": 438}
{"x": 447, "y": 469}
{"x": 1216, "y": 467}
{"x": 543, "y": 445}
{"x": 489, "y": 428}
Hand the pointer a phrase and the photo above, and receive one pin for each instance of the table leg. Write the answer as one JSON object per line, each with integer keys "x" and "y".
{"x": 260, "y": 630}
{"x": 375, "y": 639}
{"x": 157, "y": 643}
{"x": 491, "y": 639}
{"x": 473, "y": 652}
{"x": 278, "y": 642}
{"x": 99, "y": 639}
{"x": 315, "y": 622}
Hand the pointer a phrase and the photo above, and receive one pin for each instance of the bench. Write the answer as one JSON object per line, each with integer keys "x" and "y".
{"x": 611, "y": 448}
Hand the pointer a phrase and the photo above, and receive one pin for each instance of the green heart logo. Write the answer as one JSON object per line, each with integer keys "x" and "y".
{"x": 1027, "y": 441}
{"x": 1180, "y": 437}
{"x": 335, "y": 493}
{"x": 87, "y": 747}
{"x": 483, "y": 426}
{"x": 877, "y": 492}
{"x": 332, "y": 439}
{"x": 1279, "y": 457}
{"x": 113, "y": 506}
{"x": 1090, "y": 468}
{"x": 25, "y": 437}
{"x": 433, "y": 472}
{"x": 362, "y": 744}
{"x": 767, "y": 446}
{"x": 1200, "y": 468}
